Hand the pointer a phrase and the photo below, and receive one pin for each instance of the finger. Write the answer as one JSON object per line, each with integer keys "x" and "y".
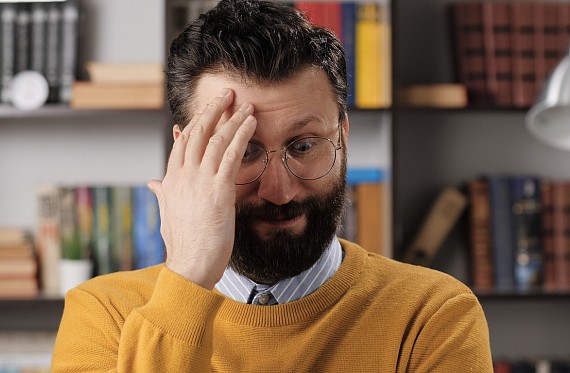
{"x": 178, "y": 151}
{"x": 202, "y": 131}
{"x": 233, "y": 155}
{"x": 219, "y": 142}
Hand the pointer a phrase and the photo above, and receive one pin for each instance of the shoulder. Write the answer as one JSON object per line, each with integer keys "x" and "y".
{"x": 406, "y": 281}
{"x": 124, "y": 290}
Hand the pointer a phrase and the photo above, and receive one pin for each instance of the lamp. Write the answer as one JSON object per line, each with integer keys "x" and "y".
{"x": 549, "y": 118}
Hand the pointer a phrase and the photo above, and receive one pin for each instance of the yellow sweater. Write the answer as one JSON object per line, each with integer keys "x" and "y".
{"x": 373, "y": 315}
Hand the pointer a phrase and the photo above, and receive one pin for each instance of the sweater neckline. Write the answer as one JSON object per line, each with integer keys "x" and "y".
{"x": 293, "y": 312}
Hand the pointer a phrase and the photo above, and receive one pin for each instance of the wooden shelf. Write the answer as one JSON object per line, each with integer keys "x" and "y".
{"x": 62, "y": 111}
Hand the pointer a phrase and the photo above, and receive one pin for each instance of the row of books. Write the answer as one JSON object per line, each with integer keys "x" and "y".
{"x": 18, "y": 264}
{"x": 43, "y": 37}
{"x": 364, "y": 29}
{"x": 532, "y": 366}
{"x": 117, "y": 226}
{"x": 519, "y": 233}
{"x": 505, "y": 50}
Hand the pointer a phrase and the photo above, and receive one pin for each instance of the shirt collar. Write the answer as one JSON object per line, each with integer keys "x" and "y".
{"x": 239, "y": 288}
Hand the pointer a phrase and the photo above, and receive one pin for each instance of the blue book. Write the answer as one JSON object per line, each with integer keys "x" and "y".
{"x": 501, "y": 236}
{"x": 348, "y": 22}
{"x": 360, "y": 175}
{"x": 526, "y": 231}
{"x": 147, "y": 240}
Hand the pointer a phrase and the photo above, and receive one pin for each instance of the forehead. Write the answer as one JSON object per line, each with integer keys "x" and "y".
{"x": 307, "y": 97}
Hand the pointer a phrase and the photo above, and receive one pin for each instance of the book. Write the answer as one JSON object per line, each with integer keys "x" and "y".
{"x": 88, "y": 95}
{"x": 48, "y": 237}
{"x": 522, "y": 35}
{"x": 469, "y": 43}
{"x": 53, "y": 48}
{"x": 436, "y": 225}
{"x": 526, "y": 231}
{"x": 68, "y": 225}
{"x": 134, "y": 72}
{"x": 102, "y": 229}
{"x": 480, "y": 251}
{"x": 38, "y": 36}
{"x": 443, "y": 95}
{"x": 501, "y": 236}
{"x": 547, "y": 211}
{"x": 348, "y": 25}
{"x": 551, "y": 33}
{"x": 560, "y": 234}
{"x": 121, "y": 228}
{"x": 538, "y": 44}
{"x": 498, "y": 51}
{"x": 370, "y": 227}
{"x": 85, "y": 213}
{"x": 148, "y": 245}
{"x": 18, "y": 287}
{"x": 69, "y": 49}
{"x": 22, "y": 53}
{"x": 18, "y": 267}
{"x": 7, "y": 45}
{"x": 13, "y": 236}
{"x": 372, "y": 84}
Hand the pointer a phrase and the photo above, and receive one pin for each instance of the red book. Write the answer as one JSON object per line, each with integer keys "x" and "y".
{"x": 498, "y": 50}
{"x": 480, "y": 235}
{"x": 560, "y": 221}
{"x": 551, "y": 37}
{"x": 522, "y": 35}
{"x": 467, "y": 25}
{"x": 538, "y": 46}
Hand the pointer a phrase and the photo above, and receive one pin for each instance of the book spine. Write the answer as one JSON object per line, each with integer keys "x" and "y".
{"x": 436, "y": 226}
{"x": 551, "y": 37}
{"x": 84, "y": 206}
{"x": 53, "y": 40}
{"x": 147, "y": 240}
{"x": 69, "y": 48}
{"x": 69, "y": 233}
{"x": 502, "y": 245}
{"x": 48, "y": 237}
{"x": 500, "y": 52}
{"x": 469, "y": 51}
{"x": 560, "y": 204}
{"x": 23, "y": 21}
{"x": 369, "y": 64}
{"x": 370, "y": 215}
{"x": 523, "y": 54}
{"x": 348, "y": 40}
{"x": 481, "y": 263}
{"x": 547, "y": 211}
{"x": 7, "y": 57}
{"x": 538, "y": 44}
{"x": 121, "y": 228}
{"x": 102, "y": 229}
{"x": 38, "y": 37}
{"x": 526, "y": 228}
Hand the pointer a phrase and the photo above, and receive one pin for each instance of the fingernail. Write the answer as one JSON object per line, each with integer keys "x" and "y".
{"x": 249, "y": 120}
{"x": 245, "y": 106}
{"x": 223, "y": 92}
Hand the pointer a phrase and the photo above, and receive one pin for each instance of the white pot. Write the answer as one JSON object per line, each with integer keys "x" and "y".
{"x": 73, "y": 272}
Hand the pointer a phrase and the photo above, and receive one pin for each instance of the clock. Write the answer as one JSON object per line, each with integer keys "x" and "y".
{"x": 29, "y": 90}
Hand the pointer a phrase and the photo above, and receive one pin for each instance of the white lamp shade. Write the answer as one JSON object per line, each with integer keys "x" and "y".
{"x": 549, "y": 119}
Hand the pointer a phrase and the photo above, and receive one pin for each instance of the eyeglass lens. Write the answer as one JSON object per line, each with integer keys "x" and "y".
{"x": 307, "y": 158}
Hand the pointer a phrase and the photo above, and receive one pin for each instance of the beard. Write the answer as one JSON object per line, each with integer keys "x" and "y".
{"x": 286, "y": 254}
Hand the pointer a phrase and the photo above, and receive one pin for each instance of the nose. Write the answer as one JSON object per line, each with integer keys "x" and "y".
{"x": 277, "y": 184}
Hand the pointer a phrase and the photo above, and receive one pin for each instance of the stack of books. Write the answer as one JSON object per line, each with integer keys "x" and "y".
{"x": 138, "y": 85}
{"x": 18, "y": 264}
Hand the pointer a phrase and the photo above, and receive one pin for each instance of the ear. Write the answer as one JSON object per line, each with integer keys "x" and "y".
{"x": 176, "y": 131}
{"x": 345, "y": 127}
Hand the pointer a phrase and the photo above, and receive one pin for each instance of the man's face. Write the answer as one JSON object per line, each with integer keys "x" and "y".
{"x": 283, "y": 223}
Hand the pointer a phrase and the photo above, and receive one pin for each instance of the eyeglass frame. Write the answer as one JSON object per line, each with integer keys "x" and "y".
{"x": 284, "y": 158}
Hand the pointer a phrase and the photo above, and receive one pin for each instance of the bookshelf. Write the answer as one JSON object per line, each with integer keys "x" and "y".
{"x": 434, "y": 148}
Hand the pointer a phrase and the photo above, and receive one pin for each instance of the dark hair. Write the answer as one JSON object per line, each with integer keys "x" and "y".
{"x": 262, "y": 42}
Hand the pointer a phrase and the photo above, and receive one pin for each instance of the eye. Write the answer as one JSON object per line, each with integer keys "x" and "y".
{"x": 253, "y": 153}
{"x": 303, "y": 147}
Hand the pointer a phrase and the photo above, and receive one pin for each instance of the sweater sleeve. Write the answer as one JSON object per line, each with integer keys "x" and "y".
{"x": 454, "y": 339}
{"x": 172, "y": 332}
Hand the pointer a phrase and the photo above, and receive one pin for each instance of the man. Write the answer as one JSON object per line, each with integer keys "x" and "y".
{"x": 255, "y": 279}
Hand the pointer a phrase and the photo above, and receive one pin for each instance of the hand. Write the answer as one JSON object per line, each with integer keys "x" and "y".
{"x": 197, "y": 196}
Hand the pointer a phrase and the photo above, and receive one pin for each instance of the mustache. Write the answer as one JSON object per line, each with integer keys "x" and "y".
{"x": 269, "y": 211}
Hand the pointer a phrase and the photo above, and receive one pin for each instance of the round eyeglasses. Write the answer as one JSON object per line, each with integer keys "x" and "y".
{"x": 308, "y": 158}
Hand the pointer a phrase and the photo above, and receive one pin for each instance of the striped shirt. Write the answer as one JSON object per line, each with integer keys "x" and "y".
{"x": 242, "y": 289}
